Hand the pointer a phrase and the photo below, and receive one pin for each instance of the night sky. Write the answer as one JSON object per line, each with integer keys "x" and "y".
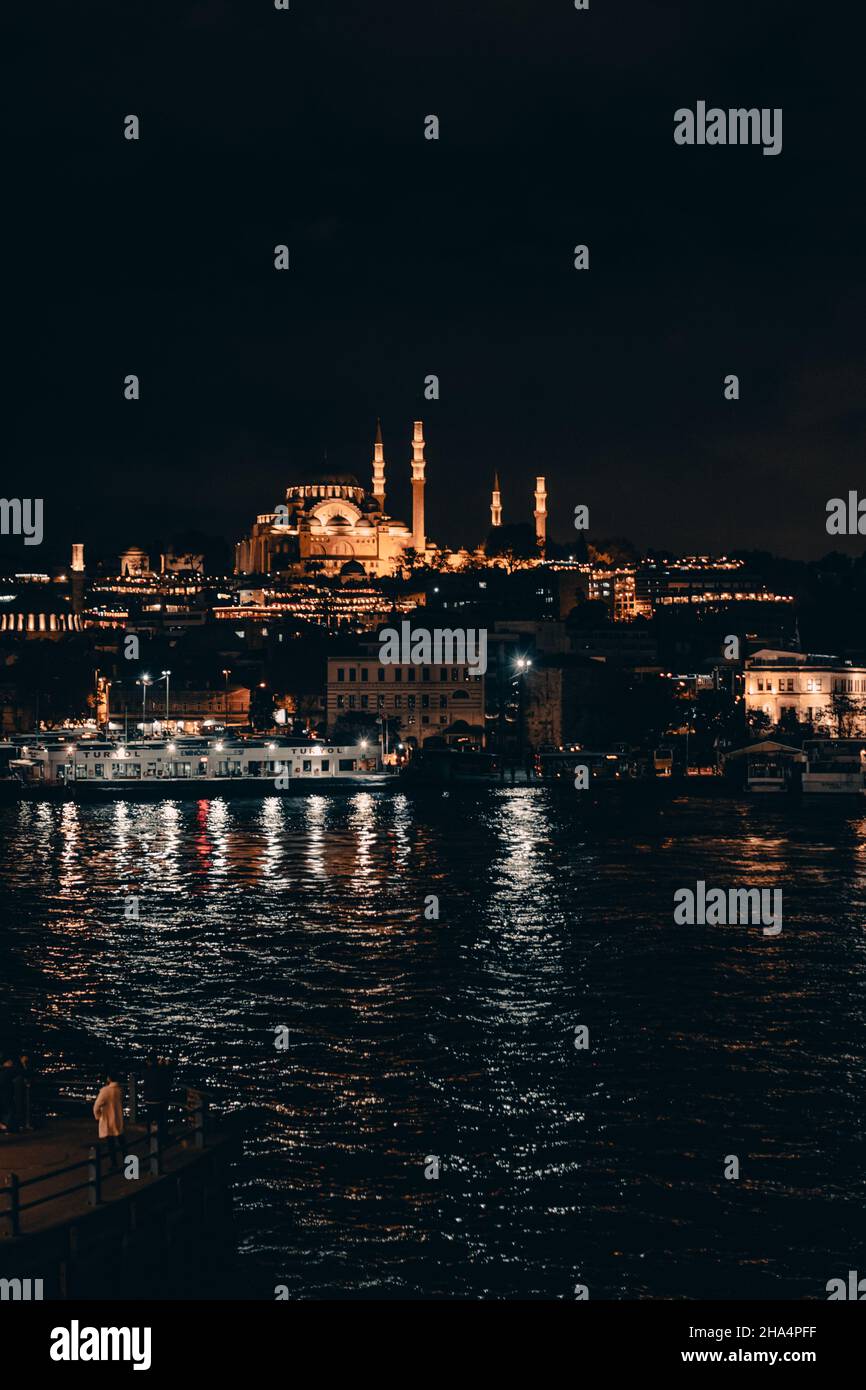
{"x": 454, "y": 257}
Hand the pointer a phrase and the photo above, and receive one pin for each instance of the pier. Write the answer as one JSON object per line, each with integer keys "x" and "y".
{"x": 159, "y": 1226}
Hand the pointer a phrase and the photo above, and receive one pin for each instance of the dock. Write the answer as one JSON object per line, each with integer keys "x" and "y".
{"x": 160, "y": 1226}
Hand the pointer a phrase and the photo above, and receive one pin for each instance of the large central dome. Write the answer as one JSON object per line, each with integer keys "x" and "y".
{"x": 317, "y": 483}
{"x": 321, "y": 476}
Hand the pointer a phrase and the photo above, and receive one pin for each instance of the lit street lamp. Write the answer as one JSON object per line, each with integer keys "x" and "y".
{"x": 166, "y": 676}
{"x": 522, "y": 665}
{"x": 144, "y": 682}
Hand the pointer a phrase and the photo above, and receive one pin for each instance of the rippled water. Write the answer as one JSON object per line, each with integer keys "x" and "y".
{"x": 413, "y": 1038}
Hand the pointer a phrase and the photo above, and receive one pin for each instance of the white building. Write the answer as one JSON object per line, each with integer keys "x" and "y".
{"x": 805, "y": 684}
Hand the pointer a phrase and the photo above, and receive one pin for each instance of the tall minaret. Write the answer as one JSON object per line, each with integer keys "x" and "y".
{"x": 419, "y": 540}
{"x": 540, "y": 511}
{"x": 77, "y": 581}
{"x": 495, "y": 503}
{"x": 379, "y": 468}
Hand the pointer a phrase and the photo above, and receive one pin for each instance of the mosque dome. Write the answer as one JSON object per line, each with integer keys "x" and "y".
{"x": 352, "y": 570}
{"x": 344, "y": 479}
{"x": 316, "y": 484}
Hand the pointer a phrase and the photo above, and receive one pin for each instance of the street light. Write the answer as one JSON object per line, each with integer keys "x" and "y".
{"x": 166, "y": 676}
{"x": 226, "y": 674}
{"x": 522, "y": 664}
{"x": 144, "y": 682}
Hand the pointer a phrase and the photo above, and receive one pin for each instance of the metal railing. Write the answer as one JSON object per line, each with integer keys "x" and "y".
{"x": 157, "y": 1141}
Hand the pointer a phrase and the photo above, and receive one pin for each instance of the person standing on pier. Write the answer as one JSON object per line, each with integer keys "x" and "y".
{"x": 108, "y": 1110}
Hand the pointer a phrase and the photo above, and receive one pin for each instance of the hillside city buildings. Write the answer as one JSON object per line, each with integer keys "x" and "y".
{"x": 580, "y": 647}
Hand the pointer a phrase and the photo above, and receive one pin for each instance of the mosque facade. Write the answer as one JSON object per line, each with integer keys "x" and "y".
{"x": 332, "y": 525}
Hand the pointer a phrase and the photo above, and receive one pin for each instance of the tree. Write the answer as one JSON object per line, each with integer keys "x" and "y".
{"x": 515, "y": 544}
{"x": 615, "y": 550}
{"x": 411, "y": 560}
{"x": 792, "y": 727}
{"x": 759, "y": 722}
{"x": 845, "y": 714}
{"x": 355, "y": 726}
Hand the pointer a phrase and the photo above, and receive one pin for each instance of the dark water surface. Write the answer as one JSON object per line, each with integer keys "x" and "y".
{"x": 414, "y": 1038}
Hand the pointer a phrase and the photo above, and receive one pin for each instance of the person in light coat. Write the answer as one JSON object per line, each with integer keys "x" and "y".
{"x": 108, "y": 1110}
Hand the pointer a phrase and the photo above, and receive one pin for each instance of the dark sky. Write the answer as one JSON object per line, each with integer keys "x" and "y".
{"x": 453, "y": 257}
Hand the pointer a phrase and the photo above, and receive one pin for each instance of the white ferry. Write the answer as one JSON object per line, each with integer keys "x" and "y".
{"x": 834, "y": 766}
{"x": 96, "y": 768}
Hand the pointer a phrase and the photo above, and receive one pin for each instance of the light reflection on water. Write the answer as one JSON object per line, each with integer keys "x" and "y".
{"x": 454, "y": 1037}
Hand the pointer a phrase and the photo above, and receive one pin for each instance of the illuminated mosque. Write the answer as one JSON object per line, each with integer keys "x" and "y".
{"x": 330, "y": 524}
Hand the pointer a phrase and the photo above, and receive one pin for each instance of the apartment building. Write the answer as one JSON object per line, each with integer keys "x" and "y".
{"x": 445, "y": 701}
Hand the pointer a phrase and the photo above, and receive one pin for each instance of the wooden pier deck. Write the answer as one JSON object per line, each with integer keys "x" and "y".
{"x": 166, "y": 1233}
{"x": 61, "y": 1142}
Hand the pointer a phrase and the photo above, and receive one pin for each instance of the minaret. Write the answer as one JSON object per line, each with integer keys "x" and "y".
{"x": 419, "y": 540}
{"x": 77, "y": 581}
{"x": 540, "y": 512}
{"x": 495, "y": 503}
{"x": 379, "y": 468}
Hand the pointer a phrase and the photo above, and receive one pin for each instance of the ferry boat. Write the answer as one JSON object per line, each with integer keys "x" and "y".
{"x": 835, "y": 765}
{"x": 100, "y": 769}
{"x": 822, "y": 766}
{"x": 767, "y": 766}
